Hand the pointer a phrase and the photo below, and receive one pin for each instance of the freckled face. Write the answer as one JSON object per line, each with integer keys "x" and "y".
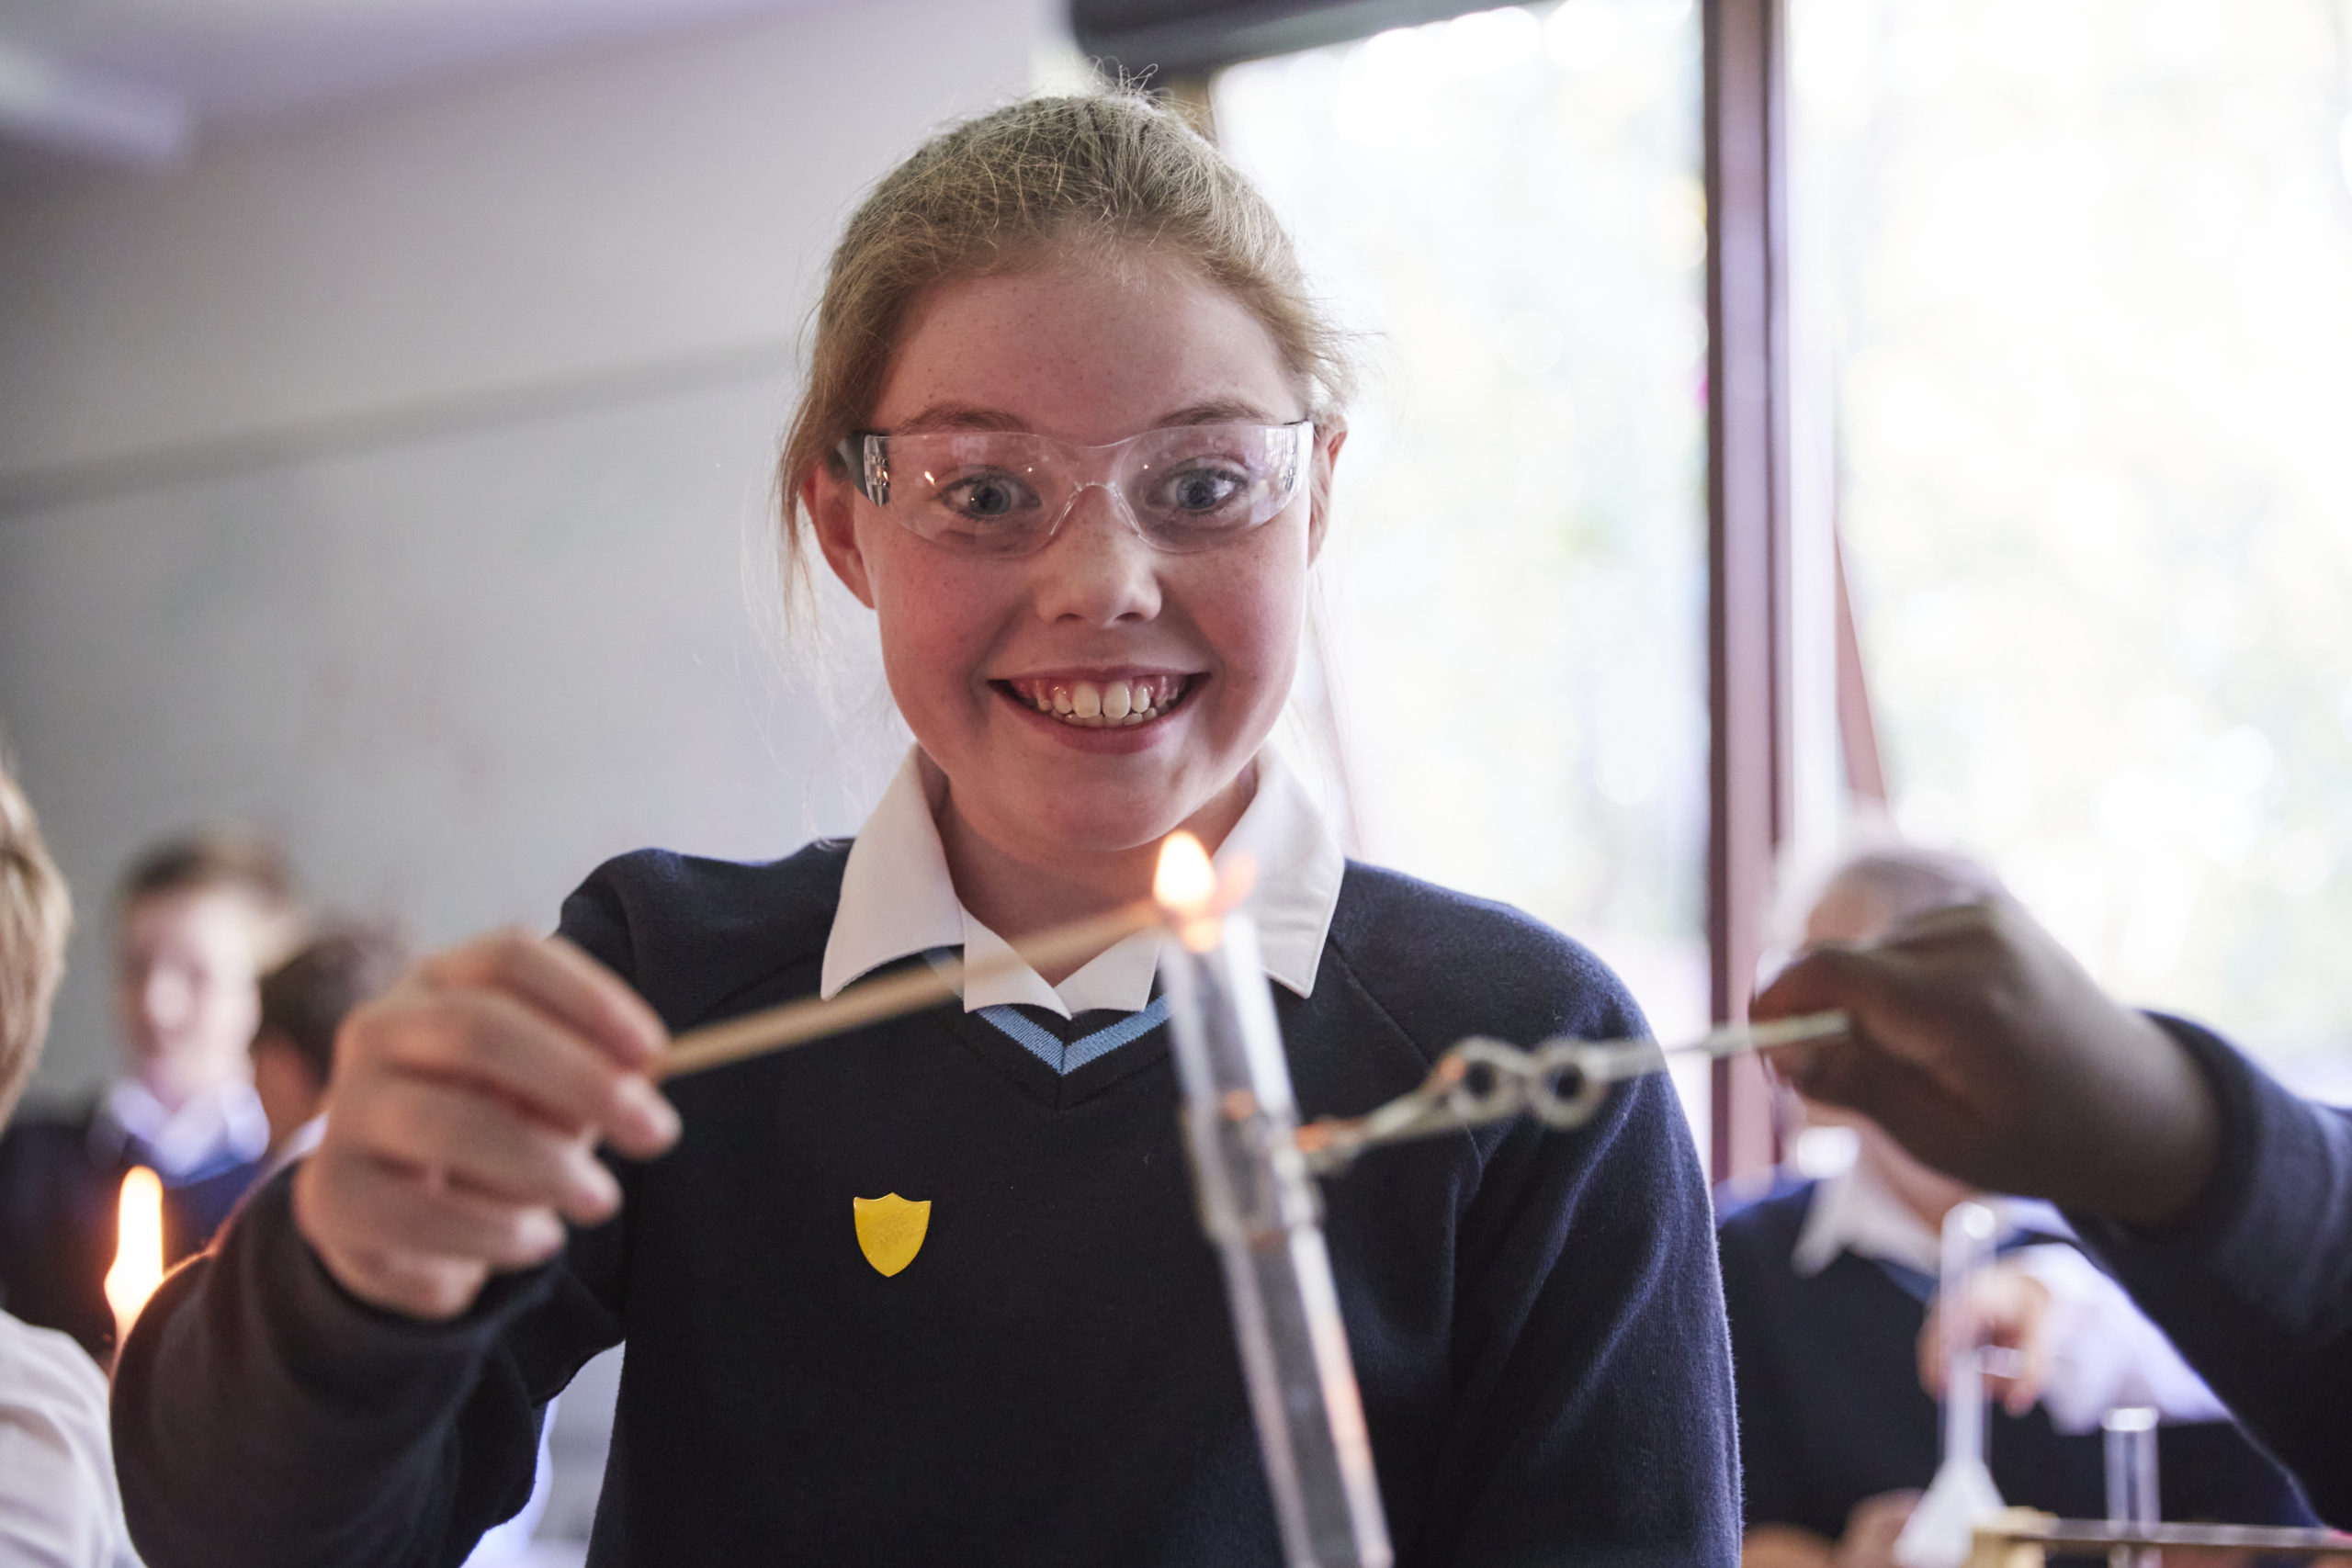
{"x": 1087, "y": 359}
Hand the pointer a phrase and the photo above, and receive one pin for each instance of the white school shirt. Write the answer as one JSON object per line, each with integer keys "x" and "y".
{"x": 301, "y": 1141}
{"x": 2104, "y": 1354}
{"x": 897, "y": 899}
{"x": 59, "y": 1506}
{"x": 226, "y": 1120}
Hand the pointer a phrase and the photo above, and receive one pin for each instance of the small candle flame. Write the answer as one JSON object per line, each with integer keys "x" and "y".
{"x": 1185, "y": 881}
{"x": 139, "y": 1249}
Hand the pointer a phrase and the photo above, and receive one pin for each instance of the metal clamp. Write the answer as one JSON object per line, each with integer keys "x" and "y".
{"x": 1561, "y": 1082}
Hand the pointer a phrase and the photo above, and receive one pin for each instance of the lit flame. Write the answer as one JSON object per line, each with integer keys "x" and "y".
{"x": 1185, "y": 881}
{"x": 139, "y": 1249}
{"x": 1195, "y": 897}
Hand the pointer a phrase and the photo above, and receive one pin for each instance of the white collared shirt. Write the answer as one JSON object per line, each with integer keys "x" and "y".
{"x": 897, "y": 899}
{"x": 1855, "y": 1212}
{"x": 2103, "y": 1355}
{"x": 225, "y": 1120}
{"x": 301, "y": 1141}
{"x": 58, "y": 1504}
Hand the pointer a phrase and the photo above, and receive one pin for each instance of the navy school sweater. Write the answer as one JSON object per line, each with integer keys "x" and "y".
{"x": 1535, "y": 1318}
{"x": 2253, "y": 1286}
{"x": 1831, "y": 1410}
{"x": 61, "y": 1185}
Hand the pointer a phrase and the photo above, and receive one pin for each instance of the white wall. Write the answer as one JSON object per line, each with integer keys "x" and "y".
{"x": 621, "y": 210}
{"x": 386, "y": 481}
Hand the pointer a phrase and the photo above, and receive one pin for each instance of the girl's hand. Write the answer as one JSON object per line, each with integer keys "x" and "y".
{"x": 1987, "y": 1052}
{"x": 1871, "y": 1529}
{"x": 2013, "y": 1310}
{"x": 467, "y": 1106}
{"x": 1868, "y": 1541}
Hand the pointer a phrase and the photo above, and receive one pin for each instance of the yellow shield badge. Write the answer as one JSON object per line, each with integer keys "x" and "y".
{"x": 890, "y": 1230}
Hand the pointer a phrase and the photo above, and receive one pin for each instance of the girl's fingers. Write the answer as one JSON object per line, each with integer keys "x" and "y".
{"x": 556, "y": 977}
{"x": 434, "y": 1289}
{"x": 1930, "y": 1352}
{"x": 330, "y": 1209}
{"x": 400, "y": 1211}
{"x": 472, "y": 1140}
{"x": 2034, "y": 1352}
{"x": 466, "y": 1105}
{"x": 492, "y": 1038}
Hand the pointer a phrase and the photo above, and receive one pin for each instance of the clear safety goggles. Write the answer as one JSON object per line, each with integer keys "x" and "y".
{"x": 1006, "y": 492}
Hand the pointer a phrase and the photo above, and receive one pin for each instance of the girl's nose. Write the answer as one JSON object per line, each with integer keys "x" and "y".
{"x": 1097, "y": 568}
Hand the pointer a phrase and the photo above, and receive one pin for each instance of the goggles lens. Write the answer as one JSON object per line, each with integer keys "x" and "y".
{"x": 1005, "y": 492}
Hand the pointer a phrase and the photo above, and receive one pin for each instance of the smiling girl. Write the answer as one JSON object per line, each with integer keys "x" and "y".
{"x": 935, "y": 1292}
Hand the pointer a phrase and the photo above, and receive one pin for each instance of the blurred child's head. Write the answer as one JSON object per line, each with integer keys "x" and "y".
{"x": 1865, "y": 898}
{"x": 199, "y": 919}
{"x": 1084, "y": 270}
{"x": 303, "y": 1002}
{"x": 35, "y": 915}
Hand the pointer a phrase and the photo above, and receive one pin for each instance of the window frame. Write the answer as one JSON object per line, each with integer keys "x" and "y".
{"x": 1757, "y": 615}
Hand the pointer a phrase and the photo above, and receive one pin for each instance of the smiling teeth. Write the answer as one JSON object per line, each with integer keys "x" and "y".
{"x": 1102, "y": 705}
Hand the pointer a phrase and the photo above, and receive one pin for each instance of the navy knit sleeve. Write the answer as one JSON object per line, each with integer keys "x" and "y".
{"x": 1592, "y": 1413}
{"x": 1599, "y": 1368}
{"x": 264, "y": 1416}
{"x": 1772, "y": 1492}
{"x": 2255, "y": 1287}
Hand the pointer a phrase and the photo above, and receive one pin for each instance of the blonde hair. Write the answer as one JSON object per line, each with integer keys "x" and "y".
{"x": 36, "y": 913}
{"x": 1095, "y": 177}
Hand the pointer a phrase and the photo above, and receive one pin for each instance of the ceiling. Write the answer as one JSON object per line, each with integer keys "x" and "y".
{"x": 138, "y": 81}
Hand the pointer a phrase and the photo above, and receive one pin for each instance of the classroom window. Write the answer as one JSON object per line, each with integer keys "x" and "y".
{"x": 2090, "y": 264}
{"x": 1513, "y": 625}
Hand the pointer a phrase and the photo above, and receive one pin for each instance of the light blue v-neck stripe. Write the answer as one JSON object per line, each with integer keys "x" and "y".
{"x": 1047, "y": 1046}
{"x": 1066, "y": 1059}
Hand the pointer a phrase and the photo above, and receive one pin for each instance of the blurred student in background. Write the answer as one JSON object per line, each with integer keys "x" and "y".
{"x": 59, "y": 1507}
{"x": 303, "y": 1002}
{"x": 198, "y": 921}
{"x": 1828, "y": 1286}
{"x": 2220, "y": 1200}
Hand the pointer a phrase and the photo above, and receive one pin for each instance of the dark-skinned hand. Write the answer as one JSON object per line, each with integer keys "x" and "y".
{"x": 1985, "y": 1050}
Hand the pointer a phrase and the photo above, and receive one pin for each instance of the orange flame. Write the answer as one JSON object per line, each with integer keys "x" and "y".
{"x": 1185, "y": 881}
{"x": 139, "y": 1249}
{"x": 1195, "y": 897}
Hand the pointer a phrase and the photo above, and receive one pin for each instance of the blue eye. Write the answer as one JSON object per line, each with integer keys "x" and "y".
{"x": 988, "y": 497}
{"x": 1197, "y": 493}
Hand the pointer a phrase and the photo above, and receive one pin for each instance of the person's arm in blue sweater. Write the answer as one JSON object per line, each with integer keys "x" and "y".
{"x": 264, "y": 1416}
{"x": 353, "y": 1377}
{"x": 2254, "y": 1283}
{"x": 2222, "y": 1202}
{"x": 1596, "y": 1411}
{"x": 1592, "y": 1418}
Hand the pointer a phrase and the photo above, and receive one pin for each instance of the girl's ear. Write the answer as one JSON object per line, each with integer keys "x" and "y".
{"x": 1329, "y": 437}
{"x": 831, "y": 502}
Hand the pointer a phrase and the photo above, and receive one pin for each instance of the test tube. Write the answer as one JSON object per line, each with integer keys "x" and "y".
{"x": 1258, "y": 1207}
{"x": 1942, "y": 1527}
{"x": 1968, "y": 1234}
{"x": 2132, "y": 1481}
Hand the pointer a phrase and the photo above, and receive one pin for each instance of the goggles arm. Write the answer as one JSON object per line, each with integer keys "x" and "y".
{"x": 866, "y": 456}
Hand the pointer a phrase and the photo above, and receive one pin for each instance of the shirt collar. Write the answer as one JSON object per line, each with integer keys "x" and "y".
{"x": 225, "y": 1120}
{"x": 303, "y": 1140}
{"x": 1855, "y": 1212}
{"x": 897, "y": 899}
